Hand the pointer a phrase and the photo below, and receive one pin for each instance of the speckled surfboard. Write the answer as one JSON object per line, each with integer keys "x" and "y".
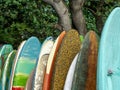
{"x": 69, "y": 78}
{"x": 26, "y": 63}
{"x": 108, "y": 75}
{"x": 7, "y": 70}
{"x": 5, "y": 50}
{"x": 51, "y": 60}
{"x": 70, "y": 46}
{"x": 14, "y": 64}
{"x": 86, "y": 67}
{"x": 41, "y": 64}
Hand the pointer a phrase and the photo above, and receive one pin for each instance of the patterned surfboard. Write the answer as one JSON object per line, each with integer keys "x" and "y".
{"x": 85, "y": 70}
{"x": 5, "y": 50}
{"x": 108, "y": 75}
{"x": 7, "y": 70}
{"x": 14, "y": 65}
{"x": 26, "y": 63}
{"x": 51, "y": 60}
{"x": 69, "y": 78}
{"x": 41, "y": 64}
{"x": 70, "y": 46}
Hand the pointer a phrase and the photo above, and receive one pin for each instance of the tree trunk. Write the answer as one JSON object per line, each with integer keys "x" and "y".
{"x": 62, "y": 12}
{"x": 77, "y": 16}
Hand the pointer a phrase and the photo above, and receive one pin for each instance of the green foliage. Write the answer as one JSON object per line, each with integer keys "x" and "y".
{"x": 20, "y": 19}
{"x": 90, "y": 20}
{"x": 93, "y": 9}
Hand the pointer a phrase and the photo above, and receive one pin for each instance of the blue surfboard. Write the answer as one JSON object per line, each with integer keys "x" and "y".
{"x": 26, "y": 62}
{"x": 108, "y": 72}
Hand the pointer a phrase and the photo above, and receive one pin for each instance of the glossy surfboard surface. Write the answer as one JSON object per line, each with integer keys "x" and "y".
{"x": 85, "y": 71}
{"x": 51, "y": 60}
{"x": 14, "y": 64}
{"x": 7, "y": 70}
{"x": 70, "y": 46}
{"x": 41, "y": 64}
{"x": 108, "y": 75}
{"x": 69, "y": 78}
{"x": 26, "y": 63}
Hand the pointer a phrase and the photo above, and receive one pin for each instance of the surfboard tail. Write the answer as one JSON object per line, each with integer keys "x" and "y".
{"x": 17, "y": 88}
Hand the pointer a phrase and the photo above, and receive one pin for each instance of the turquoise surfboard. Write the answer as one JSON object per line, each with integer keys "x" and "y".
{"x": 108, "y": 72}
{"x": 5, "y": 50}
{"x": 7, "y": 70}
{"x": 26, "y": 63}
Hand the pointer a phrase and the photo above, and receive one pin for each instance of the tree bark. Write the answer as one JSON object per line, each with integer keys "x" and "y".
{"x": 62, "y": 12}
{"x": 77, "y": 16}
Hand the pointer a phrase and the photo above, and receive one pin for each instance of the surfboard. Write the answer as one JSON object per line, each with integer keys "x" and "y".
{"x": 70, "y": 46}
{"x": 69, "y": 78}
{"x": 108, "y": 75}
{"x": 5, "y": 50}
{"x": 7, "y": 70}
{"x": 51, "y": 60}
{"x": 41, "y": 64}
{"x": 14, "y": 64}
{"x": 29, "y": 84}
{"x": 26, "y": 63}
{"x": 85, "y": 70}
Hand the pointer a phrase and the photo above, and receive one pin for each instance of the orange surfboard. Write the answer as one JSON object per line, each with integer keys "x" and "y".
{"x": 51, "y": 60}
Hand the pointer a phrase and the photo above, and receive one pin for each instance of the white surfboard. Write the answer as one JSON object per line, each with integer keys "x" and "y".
{"x": 69, "y": 78}
{"x": 41, "y": 64}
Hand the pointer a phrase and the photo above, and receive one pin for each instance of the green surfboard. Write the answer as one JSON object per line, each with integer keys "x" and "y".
{"x": 7, "y": 70}
{"x": 4, "y": 52}
{"x": 85, "y": 71}
{"x": 14, "y": 64}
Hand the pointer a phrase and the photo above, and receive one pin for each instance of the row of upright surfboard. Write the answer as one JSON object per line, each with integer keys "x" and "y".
{"x": 66, "y": 63}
